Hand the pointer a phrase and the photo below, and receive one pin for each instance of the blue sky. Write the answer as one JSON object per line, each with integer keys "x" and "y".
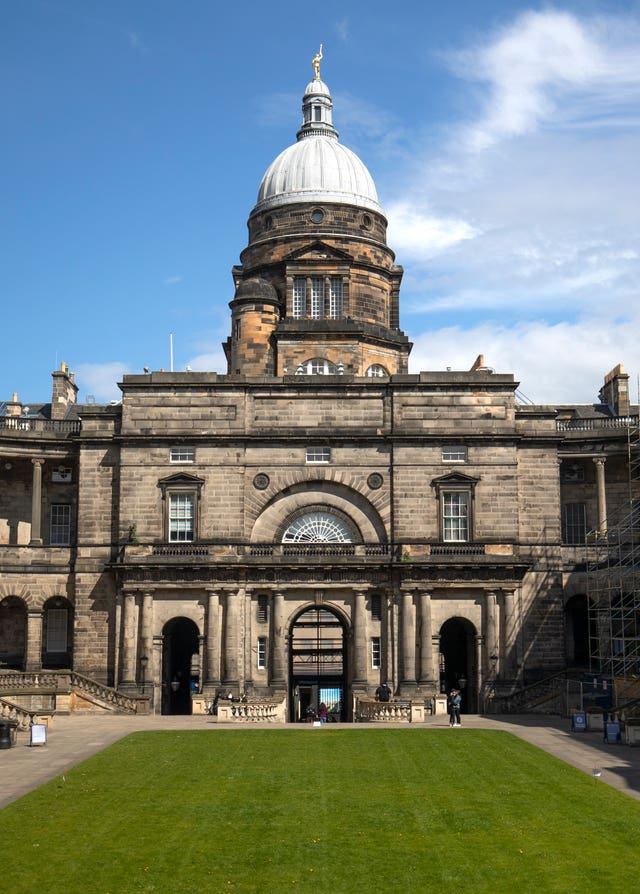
{"x": 503, "y": 138}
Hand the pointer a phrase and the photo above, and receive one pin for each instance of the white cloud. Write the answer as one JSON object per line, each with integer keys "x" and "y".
{"x": 172, "y": 280}
{"x": 412, "y": 231}
{"x": 212, "y": 361}
{"x": 99, "y": 380}
{"x": 562, "y": 363}
{"x": 551, "y": 66}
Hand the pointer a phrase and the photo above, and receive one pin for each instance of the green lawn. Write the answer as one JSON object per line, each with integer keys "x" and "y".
{"x": 323, "y": 810}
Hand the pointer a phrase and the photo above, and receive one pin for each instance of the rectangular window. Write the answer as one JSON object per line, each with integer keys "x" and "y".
{"x": 455, "y": 517}
{"x": 317, "y": 298}
{"x": 574, "y": 523}
{"x": 375, "y": 652}
{"x": 299, "y": 297}
{"x": 57, "y": 630}
{"x": 262, "y": 653}
{"x": 454, "y": 454}
{"x": 318, "y": 454}
{"x": 182, "y": 454}
{"x": 263, "y": 609}
{"x": 335, "y": 297}
{"x": 181, "y": 517}
{"x": 376, "y": 607}
{"x": 60, "y": 528}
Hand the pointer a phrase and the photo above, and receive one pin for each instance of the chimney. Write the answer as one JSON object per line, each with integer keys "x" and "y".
{"x": 14, "y": 407}
{"x": 615, "y": 391}
{"x": 65, "y": 392}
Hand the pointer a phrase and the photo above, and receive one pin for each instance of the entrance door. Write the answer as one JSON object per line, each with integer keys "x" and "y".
{"x": 317, "y": 666}
{"x": 457, "y": 661}
{"x": 179, "y": 646}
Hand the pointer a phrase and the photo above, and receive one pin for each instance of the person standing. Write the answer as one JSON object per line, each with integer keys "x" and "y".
{"x": 454, "y": 708}
{"x": 383, "y": 693}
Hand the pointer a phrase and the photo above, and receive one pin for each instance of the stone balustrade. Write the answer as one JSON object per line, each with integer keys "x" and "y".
{"x": 251, "y": 712}
{"x": 367, "y": 710}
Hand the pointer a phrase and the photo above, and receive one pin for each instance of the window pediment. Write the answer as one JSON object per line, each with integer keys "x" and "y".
{"x": 454, "y": 479}
{"x": 181, "y": 481}
{"x": 318, "y": 251}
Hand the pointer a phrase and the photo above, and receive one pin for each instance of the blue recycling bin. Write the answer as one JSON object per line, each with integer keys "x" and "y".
{"x": 612, "y": 731}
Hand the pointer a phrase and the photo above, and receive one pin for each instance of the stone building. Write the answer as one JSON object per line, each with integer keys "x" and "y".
{"x": 317, "y": 520}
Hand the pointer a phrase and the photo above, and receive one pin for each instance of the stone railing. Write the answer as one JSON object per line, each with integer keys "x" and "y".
{"x": 28, "y": 424}
{"x": 367, "y": 710}
{"x": 104, "y": 695}
{"x": 15, "y": 681}
{"x": 17, "y": 714}
{"x": 593, "y": 424}
{"x": 250, "y": 712}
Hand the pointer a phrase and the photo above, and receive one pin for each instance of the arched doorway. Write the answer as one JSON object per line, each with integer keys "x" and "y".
{"x": 457, "y": 661}
{"x": 179, "y": 649}
{"x": 13, "y": 633}
{"x": 577, "y": 631}
{"x": 317, "y": 665}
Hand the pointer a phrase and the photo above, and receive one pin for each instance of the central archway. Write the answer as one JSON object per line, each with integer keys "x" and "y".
{"x": 457, "y": 661}
{"x": 317, "y": 665}
{"x": 179, "y": 646}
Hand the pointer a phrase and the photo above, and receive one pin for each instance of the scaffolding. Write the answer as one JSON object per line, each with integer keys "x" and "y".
{"x": 613, "y": 583}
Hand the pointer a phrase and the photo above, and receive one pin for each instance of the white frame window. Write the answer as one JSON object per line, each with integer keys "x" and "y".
{"x": 317, "y": 298}
{"x": 455, "y": 516}
{"x": 318, "y": 455}
{"x": 376, "y": 371}
{"x": 299, "y": 308}
{"x": 57, "y": 629}
{"x": 182, "y": 517}
{"x": 261, "y": 653}
{"x": 60, "y": 524}
{"x": 335, "y": 298}
{"x": 376, "y": 653}
{"x": 182, "y": 454}
{"x": 454, "y": 453}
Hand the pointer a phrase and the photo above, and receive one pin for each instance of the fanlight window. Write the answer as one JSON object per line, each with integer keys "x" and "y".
{"x": 317, "y": 366}
{"x": 318, "y": 527}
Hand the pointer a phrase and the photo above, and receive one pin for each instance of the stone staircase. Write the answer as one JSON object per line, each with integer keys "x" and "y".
{"x": 62, "y": 692}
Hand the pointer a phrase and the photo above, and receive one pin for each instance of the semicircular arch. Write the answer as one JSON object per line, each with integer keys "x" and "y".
{"x": 293, "y": 500}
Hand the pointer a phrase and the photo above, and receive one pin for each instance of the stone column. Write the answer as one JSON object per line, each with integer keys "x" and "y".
{"x": 480, "y": 676}
{"x": 212, "y": 649}
{"x": 426, "y": 675}
{"x": 248, "y": 643}
{"x": 36, "y": 503}
{"x": 359, "y": 639}
{"x": 408, "y": 640}
{"x": 146, "y": 640}
{"x": 602, "y": 495}
{"x": 33, "y": 662}
{"x": 231, "y": 638}
{"x": 278, "y": 674}
{"x": 128, "y": 678}
{"x": 510, "y": 632}
{"x": 491, "y": 634}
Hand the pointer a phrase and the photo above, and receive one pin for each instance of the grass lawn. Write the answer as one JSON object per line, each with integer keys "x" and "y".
{"x": 322, "y": 810}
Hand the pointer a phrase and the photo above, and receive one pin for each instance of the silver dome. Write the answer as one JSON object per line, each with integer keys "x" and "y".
{"x": 317, "y": 168}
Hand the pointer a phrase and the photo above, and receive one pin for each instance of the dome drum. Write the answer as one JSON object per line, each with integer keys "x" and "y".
{"x": 317, "y": 218}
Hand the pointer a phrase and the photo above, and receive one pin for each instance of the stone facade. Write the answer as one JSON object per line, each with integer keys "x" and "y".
{"x": 317, "y": 520}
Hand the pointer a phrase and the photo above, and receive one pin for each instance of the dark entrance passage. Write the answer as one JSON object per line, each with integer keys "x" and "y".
{"x": 317, "y": 666}
{"x": 577, "y": 627}
{"x": 457, "y": 661}
{"x": 179, "y": 646}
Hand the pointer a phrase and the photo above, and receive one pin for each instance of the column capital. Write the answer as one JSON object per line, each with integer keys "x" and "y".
{"x": 599, "y": 460}
{"x": 38, "y": 461}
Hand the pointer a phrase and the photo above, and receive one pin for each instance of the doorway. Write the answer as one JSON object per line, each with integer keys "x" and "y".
{"x": 179, "y": 661}
{"x": 317, "y": 666}
{"x": 457, "y": 661}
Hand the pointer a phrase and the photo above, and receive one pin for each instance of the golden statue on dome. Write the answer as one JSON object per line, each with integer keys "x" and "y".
{"x": 317, "y": 59}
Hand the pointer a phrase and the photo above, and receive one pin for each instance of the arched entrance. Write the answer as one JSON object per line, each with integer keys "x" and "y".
{"x": 317, "y": 665}
{"x": 179, "y": 646}
{"x": 577, "y": 631}
{"x": 13, "y": 633}
{"x": 457, "y": 661}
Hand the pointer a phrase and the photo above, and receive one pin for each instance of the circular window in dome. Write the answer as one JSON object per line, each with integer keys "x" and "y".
{"x": 318, "y": 527}
{"x": 317, "y": 215}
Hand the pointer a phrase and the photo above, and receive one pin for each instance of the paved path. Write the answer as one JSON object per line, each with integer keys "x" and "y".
{"x": 74, "y": 738}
